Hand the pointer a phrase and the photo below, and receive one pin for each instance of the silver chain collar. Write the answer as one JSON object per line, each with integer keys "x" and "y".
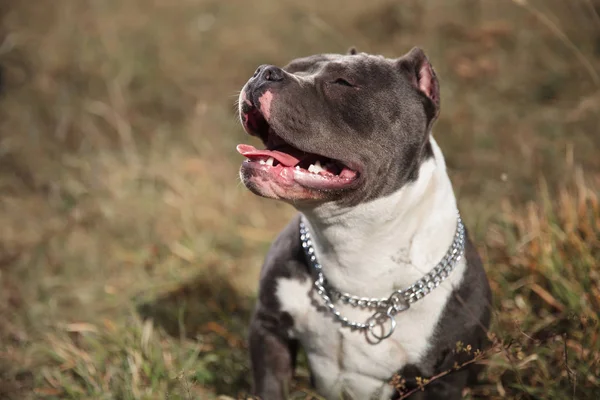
{"x": 385, "y": 308}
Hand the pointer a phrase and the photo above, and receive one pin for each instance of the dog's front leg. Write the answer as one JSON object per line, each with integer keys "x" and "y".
{"x": 272, "y": 354}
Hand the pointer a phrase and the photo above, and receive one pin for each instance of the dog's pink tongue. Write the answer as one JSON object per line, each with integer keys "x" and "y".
{"x": 250, "y": 151}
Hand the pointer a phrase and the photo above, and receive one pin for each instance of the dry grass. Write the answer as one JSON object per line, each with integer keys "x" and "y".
{"x": 547, "y": 261}
{"x": 129, "y": 252}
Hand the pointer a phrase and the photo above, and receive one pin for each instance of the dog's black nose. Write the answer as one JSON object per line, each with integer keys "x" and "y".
{"x": 269, "y": 73}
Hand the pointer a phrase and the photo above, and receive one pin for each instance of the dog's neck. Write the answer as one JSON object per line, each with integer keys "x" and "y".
{"x": 390, "y": 242}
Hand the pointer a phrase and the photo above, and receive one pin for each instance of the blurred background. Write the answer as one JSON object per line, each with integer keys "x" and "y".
{"x": 130, "y": 251}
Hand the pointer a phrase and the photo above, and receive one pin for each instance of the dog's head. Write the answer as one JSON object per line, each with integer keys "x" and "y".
{"x": 346, "y": 128}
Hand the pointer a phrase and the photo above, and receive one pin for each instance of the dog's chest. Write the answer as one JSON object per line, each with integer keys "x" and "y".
{"x": 344, "y": 362}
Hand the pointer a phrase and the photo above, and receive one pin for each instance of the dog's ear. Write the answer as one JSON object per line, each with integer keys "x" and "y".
{"x": 352, "y": 51}
{"x": 419, "y": 71}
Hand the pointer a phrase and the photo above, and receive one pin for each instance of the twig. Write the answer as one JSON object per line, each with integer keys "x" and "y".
{"x": 572, "y": 375}
{"x": 495, "y": 349}
{"x": 508, "y": 357}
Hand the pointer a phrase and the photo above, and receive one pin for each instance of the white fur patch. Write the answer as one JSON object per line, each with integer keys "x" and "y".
{"x": 372, "y": 250}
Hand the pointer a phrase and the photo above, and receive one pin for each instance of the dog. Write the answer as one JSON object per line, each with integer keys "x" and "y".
{"x": 375, "y": 276}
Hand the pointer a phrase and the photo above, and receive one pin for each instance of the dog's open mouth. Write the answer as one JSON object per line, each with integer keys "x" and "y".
{"x": 284, "y": 161}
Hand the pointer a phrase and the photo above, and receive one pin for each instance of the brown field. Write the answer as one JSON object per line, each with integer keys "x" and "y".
{"x": 129, "y": 250}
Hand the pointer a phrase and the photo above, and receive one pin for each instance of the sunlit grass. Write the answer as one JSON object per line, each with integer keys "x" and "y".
{"x": 130, "y": 251}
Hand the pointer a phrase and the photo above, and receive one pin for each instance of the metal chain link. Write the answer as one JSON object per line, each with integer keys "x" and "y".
{"x": 398, "y": 301}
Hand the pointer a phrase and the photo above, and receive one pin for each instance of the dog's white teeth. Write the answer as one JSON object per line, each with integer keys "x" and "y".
{"x": 270, "y": 161}
{"x": 297, "y": 167}
{"x": 261, "y": 161}
{"x": 315, "y": 168}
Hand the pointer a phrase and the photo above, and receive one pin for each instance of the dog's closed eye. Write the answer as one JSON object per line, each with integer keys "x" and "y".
{"x": 342, "y": 82}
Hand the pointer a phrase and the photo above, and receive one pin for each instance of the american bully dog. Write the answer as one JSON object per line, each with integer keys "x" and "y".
{"x": 376, "y": 275}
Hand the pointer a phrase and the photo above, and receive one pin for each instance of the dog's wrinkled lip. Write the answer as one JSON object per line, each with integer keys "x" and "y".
{"x": 288, "y": 165}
